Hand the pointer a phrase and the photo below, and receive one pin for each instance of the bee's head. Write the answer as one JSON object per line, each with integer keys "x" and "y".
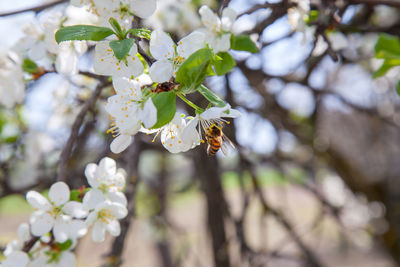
{"x": 215, "y": 129}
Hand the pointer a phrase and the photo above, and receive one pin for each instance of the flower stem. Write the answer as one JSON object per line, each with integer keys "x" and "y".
{"x": 190, "y": 103}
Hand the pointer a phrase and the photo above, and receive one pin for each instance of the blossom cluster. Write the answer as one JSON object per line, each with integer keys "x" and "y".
{"x": 132, "y": 108}
{"x": 66, "y": 216}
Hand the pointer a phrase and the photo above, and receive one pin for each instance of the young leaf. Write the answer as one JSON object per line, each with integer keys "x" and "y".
{"x": 117, "y": 28}
{"x": 225, "y": 65}
{"x": 121, "y": 47}
{"x": 82, "y": 32}
{"x": 166, "y": 107}
{"x": 398, "y": 88}
{"x": 386, "y": 66}
{"x": 192, "y": 72}
{"x": 141, "y": 33}
{"x": 65, "y": 246}
{"x": 29, "y": 66}
{"x": 211, "y": 96}
{"x": 387, "y": 46}
{"x": 243, "y": 43}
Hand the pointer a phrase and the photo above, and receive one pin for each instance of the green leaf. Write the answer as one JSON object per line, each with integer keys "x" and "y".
{"x": 166, "y": 107}
{"x": 387, "y": 46}
{"x": 141, "y": 33}
{"x": 398, "y": 88}
{"x": 243, "y": 43}
{"x": 312, "y": 16}
{"x": 225, "y": 65}
{"x": 211, "y": 96}
{"x": 82, "y": 32}
{"x": 193, "y": 71}
{"x": 29, "y": 66}
{"x": 386, "y": 66}
{"x": 64, "y": 246}
{"x": 117, "y": 28}
{"x": 121, "y": 47}
{"x": 74, "y": 195}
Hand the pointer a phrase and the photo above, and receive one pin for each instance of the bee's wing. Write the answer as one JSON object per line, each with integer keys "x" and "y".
{"x": 224, "y": 146}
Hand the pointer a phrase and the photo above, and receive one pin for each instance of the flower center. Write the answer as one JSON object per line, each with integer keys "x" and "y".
{"x": 105, "y": 216}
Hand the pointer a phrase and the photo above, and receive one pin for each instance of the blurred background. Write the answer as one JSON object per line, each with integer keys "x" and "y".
{"x": 315, "y": 176}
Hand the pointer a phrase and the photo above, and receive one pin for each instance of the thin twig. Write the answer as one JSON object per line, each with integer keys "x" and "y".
{"x": 66, "y": 152}
{"x": 33, "y": 9}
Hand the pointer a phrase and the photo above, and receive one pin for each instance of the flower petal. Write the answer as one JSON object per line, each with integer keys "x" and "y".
{"x": 37, "y": 201}
{"x": 67, "y": 259}
{"x": 143, "y": 8}
{"x": 161, "y": 71}
{"x": 161, "y": 45}
{"x": 148, "y": 114}
{"x": 61, "y": 230}
{"x": 114, "y": 228}
{"x": 117, "y": 197}
{"x": 77, "y": 229}
{"x": 191, "y": 43}
{"x": 90, "y": 173}
{"x": 75, "y": 209}
{"x": 228, "y": 18}
{"x": 92, "y": 198}
{"x": 120, "y": 143}
{"x": 107, "y": 167}
{"x": 118, "y": 210}
{"x": 41, "y": 223}
{"x": 16, "y": 259}
{"x": 23, "y": 232}
{"x": 98, "y": 232}
{"x": 209, "y": 18}
{"x": 59, "y": 193}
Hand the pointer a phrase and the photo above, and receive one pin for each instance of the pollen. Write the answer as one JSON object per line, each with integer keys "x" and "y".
{"x": 170, "y": 144}
{"x": 119, "y": 68}
{"x": 202, "y": 141}
{"x": 101, "y": 59}
{"x": 179, "y": 141}
{"x": 228, "y": 122}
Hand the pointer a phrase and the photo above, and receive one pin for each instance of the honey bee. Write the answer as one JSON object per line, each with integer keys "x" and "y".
{"x": 216, "y": 139}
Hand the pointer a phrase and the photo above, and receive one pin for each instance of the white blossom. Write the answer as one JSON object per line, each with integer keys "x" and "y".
{"x": 16, "y": 259}
{"x": 170, "y": 56}
{"x": 17, "y": 244}
{"x": 177, "y": 136}
{"x": 122, "y": 10}
{"x": 56, "y": 214}
{"x": 105, "y": 218}
{"x": 106, "y": 181}
{"x": 129, "y": 111}
{"x": 12, "y": 87}
{"x": 105, "y": 62}
{"x": 217, "y": 30}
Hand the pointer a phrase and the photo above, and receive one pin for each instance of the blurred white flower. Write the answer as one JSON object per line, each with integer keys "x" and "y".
{"x": 12, "y": 87}
{"x": 105, "y": 217}
{"x": 298, "y": 14}
{"x": 122, "y": 10}
{"x": 106, "y": 182}
{"x": 217, "y": 31}
{"x": 16, "y": 259}
{"x": 56, "y": 214}
{"x": 170, "y": 56}
{"x": 17, "y": 244}
{"x": 66, "y": 259}
{"x": 174, "y": 16}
